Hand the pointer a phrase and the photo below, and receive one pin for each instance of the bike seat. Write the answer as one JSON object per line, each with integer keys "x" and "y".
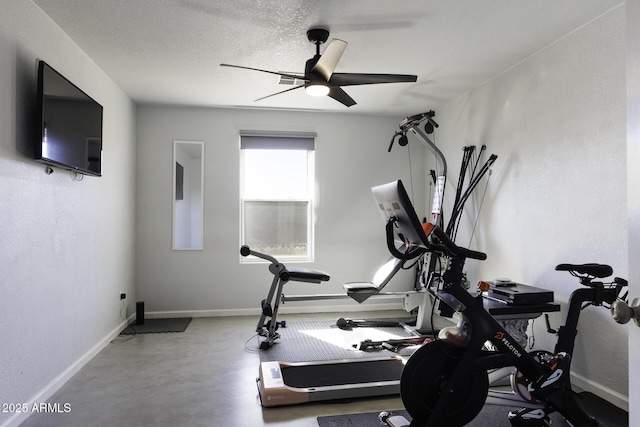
{"x": 591, "y": 269}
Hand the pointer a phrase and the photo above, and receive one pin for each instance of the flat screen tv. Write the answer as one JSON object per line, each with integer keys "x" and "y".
{"x": 70, "y": 124}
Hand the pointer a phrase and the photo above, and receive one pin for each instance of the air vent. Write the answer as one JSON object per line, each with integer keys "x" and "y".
{"x": 288, "y": 81}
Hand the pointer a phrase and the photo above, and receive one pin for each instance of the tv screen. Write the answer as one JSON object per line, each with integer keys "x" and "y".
{"x": 70, "y": 123}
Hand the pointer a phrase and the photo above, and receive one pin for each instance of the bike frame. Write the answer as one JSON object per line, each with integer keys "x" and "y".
{"x": 455, "y": 386}
{"x": 509, "y": 354}
{"x": 484, "y": 328}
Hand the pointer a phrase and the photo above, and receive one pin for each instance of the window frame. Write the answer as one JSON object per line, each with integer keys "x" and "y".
{"x": 311, "y": 196}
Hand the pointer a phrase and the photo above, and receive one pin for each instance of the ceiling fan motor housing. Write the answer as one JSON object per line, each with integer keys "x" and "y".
{"x": 318, "y": 35}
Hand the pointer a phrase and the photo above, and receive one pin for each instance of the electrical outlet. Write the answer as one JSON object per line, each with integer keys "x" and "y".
{"x": 123, "y": 295}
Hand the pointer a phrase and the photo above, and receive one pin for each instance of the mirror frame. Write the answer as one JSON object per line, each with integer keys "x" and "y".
{"x": 200, "y": 221}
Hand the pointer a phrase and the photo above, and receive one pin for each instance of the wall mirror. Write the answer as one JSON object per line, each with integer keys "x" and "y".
{"x": 188, "y": 180}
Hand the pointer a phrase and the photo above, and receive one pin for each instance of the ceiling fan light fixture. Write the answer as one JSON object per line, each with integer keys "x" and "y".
{"x": 317, "y": 89}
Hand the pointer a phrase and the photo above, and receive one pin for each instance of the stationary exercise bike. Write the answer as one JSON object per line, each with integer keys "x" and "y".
{"x": 446, "y": 382}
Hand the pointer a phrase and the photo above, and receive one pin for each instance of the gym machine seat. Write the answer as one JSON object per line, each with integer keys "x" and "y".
{"x": 361, "y": 291}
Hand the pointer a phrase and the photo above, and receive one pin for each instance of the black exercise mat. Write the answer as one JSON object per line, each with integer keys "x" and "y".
{"x": 312, "y": 341}
{"x": 608, "y": 414}
{"x": 155, "y": 326}
{"x": 369, "y": 419}
{"x": 490, "y": 416}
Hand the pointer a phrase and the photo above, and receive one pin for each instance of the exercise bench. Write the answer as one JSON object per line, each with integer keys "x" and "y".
{"x": 270, "y": 305}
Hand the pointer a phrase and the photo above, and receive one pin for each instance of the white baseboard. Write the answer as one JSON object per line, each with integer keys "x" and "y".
{"x": 50, "y": 389}
{"x": 612, "y": 396}
{"x": 284, "y": 309}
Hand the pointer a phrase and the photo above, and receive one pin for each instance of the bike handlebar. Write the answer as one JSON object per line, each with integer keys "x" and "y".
{"x": 454, "y": 249}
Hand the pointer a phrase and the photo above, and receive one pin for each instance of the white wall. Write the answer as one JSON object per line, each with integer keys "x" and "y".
{"x": 351, "y": 157}
{"x": 558, "y": 189}
{"x": 632, "y": 48}
{"x": 67, "y": 246}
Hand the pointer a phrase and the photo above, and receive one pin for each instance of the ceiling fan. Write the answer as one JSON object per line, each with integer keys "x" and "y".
{"x": 319, "y": 78}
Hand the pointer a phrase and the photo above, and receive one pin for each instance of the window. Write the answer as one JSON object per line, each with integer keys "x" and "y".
{"x": 276, "y": 191}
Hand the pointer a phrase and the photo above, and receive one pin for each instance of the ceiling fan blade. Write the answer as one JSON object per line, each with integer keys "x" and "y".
{"x": 291, "y": 76}
{"x": 352, "y": 79}
{"x": 278, "y": 93}
{"x": 341, "y": 96}
{"x": 329, "y": 59}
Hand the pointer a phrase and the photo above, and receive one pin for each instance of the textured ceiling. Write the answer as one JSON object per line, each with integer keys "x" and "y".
{"x": 169, "y": 51}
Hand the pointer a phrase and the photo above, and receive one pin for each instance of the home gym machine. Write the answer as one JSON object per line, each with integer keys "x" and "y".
{"x": 427, "y": 268}
{"x": 446, "y": 381}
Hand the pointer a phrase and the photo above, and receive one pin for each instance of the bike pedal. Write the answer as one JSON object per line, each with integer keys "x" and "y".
{"x": 553, "y": 381}
{"x": 529, "y": 417}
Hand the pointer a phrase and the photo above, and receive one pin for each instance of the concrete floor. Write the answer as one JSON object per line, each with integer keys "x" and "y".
{"x": 204, "y": 376}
